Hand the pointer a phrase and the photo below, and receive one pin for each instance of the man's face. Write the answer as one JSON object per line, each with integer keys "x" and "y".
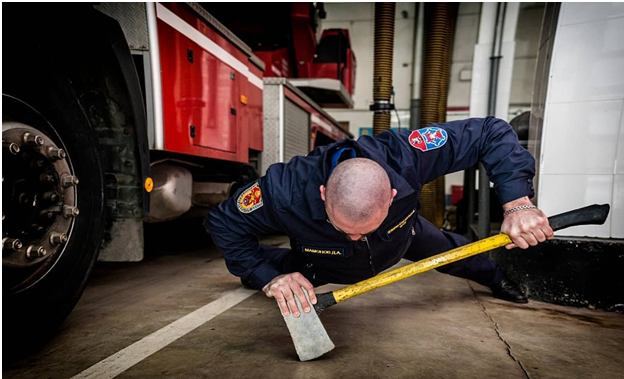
{"x": 355, "y": 231}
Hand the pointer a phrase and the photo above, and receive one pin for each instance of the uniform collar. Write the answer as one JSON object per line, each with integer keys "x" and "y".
{"x": 321, "y": 174}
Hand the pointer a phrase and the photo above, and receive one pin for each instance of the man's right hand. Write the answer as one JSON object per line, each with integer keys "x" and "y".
{"x": 284, "y": 287}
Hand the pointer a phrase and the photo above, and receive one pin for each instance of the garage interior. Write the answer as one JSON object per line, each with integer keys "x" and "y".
{"x": 207, "y": 96}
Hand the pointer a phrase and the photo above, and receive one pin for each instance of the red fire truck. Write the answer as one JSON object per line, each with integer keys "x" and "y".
{"x": 117, "y": 114}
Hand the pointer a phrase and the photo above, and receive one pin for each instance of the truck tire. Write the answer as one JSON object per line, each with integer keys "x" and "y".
{"x": 53, "y": 204}
{"x": 70, "y": 83}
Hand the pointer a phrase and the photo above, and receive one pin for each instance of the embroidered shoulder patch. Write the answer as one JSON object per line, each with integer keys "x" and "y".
{"x": 250, "y": 199}
{"x": 428, "y": 138}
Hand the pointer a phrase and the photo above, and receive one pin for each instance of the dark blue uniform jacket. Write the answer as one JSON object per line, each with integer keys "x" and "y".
{"x": 287, "y": 199}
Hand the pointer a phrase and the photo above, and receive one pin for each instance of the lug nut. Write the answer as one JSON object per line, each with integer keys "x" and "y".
{"x": 33, "y": 139}
{"x": 56, "y": 154}
{"x": 58, "y": 238}
{"x": 11, "y": 244}
{"x": 51, "y": 196}
{"x": 34, "y": 251}
{"x": 12, "y": 147}
{"x": 69, "y": 211}
{"x": 69, "y": 180}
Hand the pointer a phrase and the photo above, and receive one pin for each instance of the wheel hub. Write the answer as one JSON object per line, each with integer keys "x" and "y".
{"x": 39, "y": 199}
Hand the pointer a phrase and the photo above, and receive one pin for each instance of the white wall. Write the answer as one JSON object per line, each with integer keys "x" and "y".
{"x": 466, "y": 33}
{"x": 527, "y": 40}
{"x": 582, "y": 147}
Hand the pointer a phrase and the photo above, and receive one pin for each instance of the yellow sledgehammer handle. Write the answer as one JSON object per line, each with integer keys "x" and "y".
{"x": 421, "y": 266}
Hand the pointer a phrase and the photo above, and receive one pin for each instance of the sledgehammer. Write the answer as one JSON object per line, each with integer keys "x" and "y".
{"x": 308, "y": 334}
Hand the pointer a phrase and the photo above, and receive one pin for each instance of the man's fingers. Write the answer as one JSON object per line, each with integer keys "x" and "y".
{"x": 291, "y": 301}
{"x": 296, "y": 288}
{"x": 520, "y": 241}
{"x": 285, "y": 287}
{"x": 530, "y": 240}
{"x": 281, "y": 301}
{"x": 303, "y": 282}
{"x": 539, "y": 235}
{"x": 525, "y": 240}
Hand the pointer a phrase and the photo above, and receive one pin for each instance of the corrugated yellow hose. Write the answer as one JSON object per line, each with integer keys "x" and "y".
{"x": 382, "y": 66}
{"x": 439, "y": 25}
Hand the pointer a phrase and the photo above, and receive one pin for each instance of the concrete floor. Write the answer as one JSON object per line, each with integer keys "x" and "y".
{"x": 429, "y": 326}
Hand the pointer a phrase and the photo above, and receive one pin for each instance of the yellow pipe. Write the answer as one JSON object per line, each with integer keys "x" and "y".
{"x": 382, "y": 64}
{"x": 421, "y": 266}
{"x": 440, "y": 19}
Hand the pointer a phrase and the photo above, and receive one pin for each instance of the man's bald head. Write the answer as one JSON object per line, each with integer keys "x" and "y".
{"x": 358, "y": 190}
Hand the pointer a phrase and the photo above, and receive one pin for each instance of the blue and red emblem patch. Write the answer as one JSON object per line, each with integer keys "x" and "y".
{"x": 250, "y": 199}
{"x": 428, "y": 138}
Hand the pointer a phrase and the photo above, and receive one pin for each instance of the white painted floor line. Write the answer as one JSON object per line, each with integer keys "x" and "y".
{"x": 135, "y": 353}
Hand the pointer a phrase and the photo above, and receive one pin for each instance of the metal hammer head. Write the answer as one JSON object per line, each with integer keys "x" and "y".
{"x": 308, "y": 334}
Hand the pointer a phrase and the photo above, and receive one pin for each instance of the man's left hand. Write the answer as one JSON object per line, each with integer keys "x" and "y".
{"x": 526, "y": 227}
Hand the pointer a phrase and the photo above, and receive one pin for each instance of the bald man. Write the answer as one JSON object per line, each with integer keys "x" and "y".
{"x": 350, "y": 210}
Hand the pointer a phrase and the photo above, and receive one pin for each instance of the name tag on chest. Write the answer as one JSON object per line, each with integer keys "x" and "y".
{"x": 324, "y": 251}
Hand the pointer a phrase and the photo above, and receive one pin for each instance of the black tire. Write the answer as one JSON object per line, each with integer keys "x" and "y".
{"x": 39, "y": 93}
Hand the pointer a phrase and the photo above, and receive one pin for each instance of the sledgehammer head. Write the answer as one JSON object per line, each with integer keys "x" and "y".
{"x": 307, "y": 332}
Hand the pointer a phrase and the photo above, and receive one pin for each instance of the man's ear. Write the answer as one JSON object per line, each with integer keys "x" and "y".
{"x": 322, "y": 189}
{"x": 394, "y": 193}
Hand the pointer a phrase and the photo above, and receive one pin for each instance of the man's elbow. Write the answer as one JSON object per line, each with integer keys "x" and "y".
{"x": 214, "y": 222}
{"x": 495, "y": 123}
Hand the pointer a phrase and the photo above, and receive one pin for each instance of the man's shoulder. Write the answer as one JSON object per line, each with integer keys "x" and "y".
{"x": 384, "y": 141}
{"x": 288, "y": 182}
{"x": 389, "y": 147}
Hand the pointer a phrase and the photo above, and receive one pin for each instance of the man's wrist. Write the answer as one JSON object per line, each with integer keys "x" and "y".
{"x": 518, "y": 208}
{"x": 517, "y": 203}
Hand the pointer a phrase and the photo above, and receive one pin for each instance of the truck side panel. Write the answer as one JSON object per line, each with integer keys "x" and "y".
{"x": 212, "y": 93}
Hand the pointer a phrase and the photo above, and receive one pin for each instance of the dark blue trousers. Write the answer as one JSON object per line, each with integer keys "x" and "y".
{"x": 428, "y": 241}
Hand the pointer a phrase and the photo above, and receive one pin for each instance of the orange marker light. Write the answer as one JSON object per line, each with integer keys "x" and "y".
{"x": 149, "y": 185}
{"x": 243, "y": 99}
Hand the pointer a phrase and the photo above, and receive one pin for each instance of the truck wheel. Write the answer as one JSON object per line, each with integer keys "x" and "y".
{"x": 53, "y": 209}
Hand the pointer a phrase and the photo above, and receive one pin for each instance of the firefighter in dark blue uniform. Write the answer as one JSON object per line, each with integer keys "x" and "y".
{"x": 290, "y": 199}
